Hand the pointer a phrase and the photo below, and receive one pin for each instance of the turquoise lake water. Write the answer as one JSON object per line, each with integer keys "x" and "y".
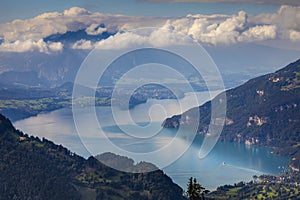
{"x": 227, "y": 163}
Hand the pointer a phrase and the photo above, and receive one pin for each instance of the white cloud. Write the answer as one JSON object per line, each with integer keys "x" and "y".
{"x": 76, "y": 11}
{"x": 83, "y": 44}
{"x": 230, "y": 29}
{"x": 30, "y": 45}
{"x": 49, "y": 15}
{"x": 258, "y": 33}
{"x": 95, "y": 29}
{"x": 70, "y": 20}
{"x": 156, "y": 37}
{"x": 168, "y": 35}
{"x": 295, "y": 36}
{"x": 288, "y": 17}
{"x": 216, "y": 29}
{"x": 286, "y": 20}
{"x": 220, "y": 30}
{"x": 55, "y": 46}
{"x": 122, "y": 40}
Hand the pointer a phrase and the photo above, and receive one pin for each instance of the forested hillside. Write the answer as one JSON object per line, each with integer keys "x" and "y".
{"x": 263, "y": 111}
{"x": 31, "y": 168}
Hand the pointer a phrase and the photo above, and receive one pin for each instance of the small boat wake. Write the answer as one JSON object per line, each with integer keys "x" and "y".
{"x": 224, "y": 164}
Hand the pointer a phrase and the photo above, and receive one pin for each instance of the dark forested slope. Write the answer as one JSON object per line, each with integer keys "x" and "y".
{"x": 31, "y": 168}
{"x": 263, "y": 111}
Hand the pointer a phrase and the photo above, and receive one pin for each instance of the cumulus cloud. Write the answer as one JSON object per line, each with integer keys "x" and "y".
{"x": 156, "y": 37}
{"x": 83, "y": 44}
{"x": 287, "y": 21}
{"x": 216, "y": 29}
{"x": 183, "y": 31}
{"x": 49, "y": 15}
{"x": 258, "y": 33}
{"x": 29, "y": 33}
{"x": 30, "y": 45}
{"x": 95, "y": 29}
{"x": 122, "y": 40}
{"x": 226, "y": 30}
{"x": 294, "y": 35}
{"x": 76, "y": 11}
{"x": 229, "y": 29}
{"x": 70, "y": 20}
{"x": 168, "y": 35}
{"x": 55, "y": 46}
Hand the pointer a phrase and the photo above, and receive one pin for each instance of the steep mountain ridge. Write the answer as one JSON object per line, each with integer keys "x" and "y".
{"x": 263, "y": 111}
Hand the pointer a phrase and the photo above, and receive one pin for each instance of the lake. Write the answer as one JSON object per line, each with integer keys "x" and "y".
{"x": 227, "y": 163}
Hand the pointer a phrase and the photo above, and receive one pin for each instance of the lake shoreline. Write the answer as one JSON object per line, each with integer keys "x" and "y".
{"x": 61, "y": 114}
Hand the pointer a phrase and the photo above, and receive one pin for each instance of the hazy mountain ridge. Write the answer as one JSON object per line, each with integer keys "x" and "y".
{"x": 263, "y": 111}
{"x": 56, "y": 68}
{"x": 39, "y": 169}
{"x": 53, "y": 69}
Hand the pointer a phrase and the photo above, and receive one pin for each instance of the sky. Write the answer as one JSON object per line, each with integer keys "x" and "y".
{"x": 220, "y": 25}
{"x": 20, "y": 9}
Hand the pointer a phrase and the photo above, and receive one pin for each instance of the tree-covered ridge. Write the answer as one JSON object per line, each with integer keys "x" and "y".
{"x": 263, "y": 111}
{"x": 39, "y": 169}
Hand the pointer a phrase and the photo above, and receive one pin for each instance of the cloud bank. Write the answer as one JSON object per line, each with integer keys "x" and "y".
{"x": 217, "y": 29}
{"x": 31, "y": 45}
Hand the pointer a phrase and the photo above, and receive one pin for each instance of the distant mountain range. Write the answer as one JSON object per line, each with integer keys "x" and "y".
{"x": 55, "y": 68}
{"x": 263, "y": 111}
{"x": 49, "y": 69}
{"x": 32, "y": 168}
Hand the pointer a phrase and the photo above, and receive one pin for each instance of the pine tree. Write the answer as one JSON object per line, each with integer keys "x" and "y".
{"x": 195, "y": 191}
{"x": 190, "y": 188}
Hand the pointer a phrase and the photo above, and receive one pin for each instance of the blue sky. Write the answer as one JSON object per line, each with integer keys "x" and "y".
{"x": 20, "y": 9}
